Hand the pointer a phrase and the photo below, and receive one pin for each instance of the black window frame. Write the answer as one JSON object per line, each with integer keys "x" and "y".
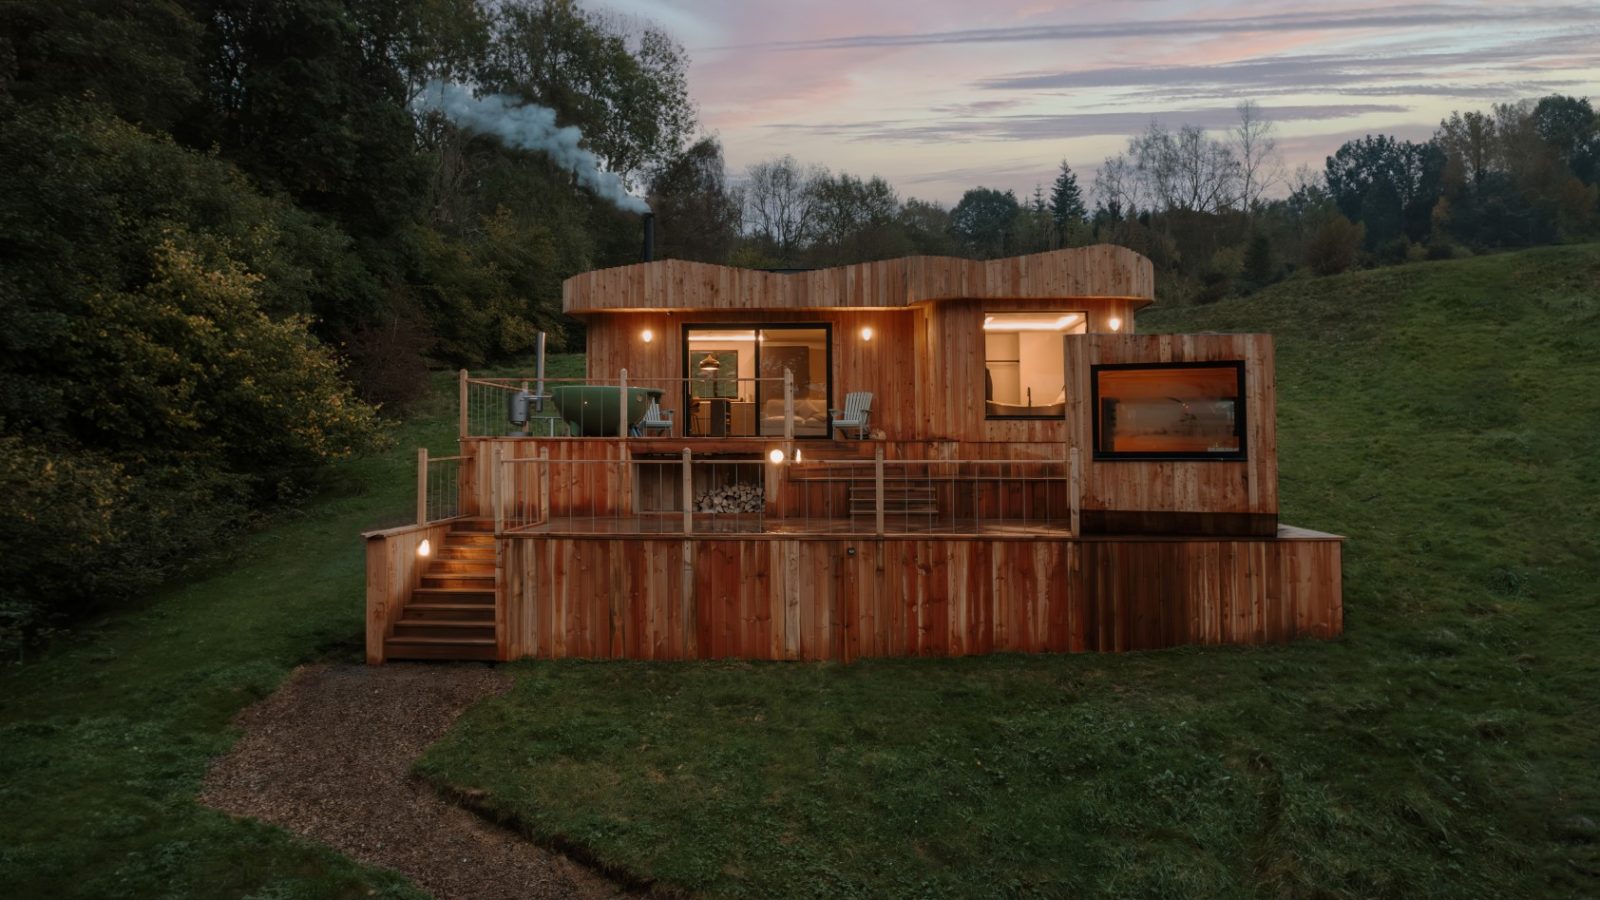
{"x": 1240, "y": 418}
{"x": 758, "y": 327}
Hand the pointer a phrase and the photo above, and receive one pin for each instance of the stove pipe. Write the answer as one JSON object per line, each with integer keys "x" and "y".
{"x": 649, "y": 253}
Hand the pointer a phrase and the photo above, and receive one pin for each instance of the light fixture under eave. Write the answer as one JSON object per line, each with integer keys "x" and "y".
{"x": 710, "y": 365}
{"x": 1115, "y": 323}
{"x": 866, "y": 333}
{"x": 647, "y": 335}
{"x": 776, "y": 456}
{"x": 423, "y": 549}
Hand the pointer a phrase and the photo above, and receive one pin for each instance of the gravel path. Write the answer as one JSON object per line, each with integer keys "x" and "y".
{"x": 327, "y": 757}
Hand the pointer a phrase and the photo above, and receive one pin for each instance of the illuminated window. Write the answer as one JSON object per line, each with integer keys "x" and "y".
{"x": 1170, "y": 411}
{"x": 1024, "y": 369}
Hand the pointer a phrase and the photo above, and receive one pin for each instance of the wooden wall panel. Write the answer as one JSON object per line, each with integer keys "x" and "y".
{"x": 1209, "y": 486}
{"x": 814, "y": 599}
{"x": 1099, "y": 271}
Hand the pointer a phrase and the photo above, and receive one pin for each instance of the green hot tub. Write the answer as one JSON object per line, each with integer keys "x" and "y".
{"x": 591, "y": 409}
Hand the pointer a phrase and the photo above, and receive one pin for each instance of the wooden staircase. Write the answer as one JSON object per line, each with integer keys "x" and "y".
{"x": 900, "y": 498}
{"x": 451, "y": 614}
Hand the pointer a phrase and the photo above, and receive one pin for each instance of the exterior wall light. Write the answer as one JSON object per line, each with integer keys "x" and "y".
{"x": 866, "y": 333}
{"x": 775, "y": 457}
{"x": 1115, "y": 323}
{"x": 647, "y": 335}
{"x": 423, "y": 549}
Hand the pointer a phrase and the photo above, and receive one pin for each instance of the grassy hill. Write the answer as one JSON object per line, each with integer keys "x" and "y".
{"x": 1443, "y": 415}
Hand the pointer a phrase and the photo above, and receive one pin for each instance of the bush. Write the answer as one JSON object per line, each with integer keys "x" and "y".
{"x": 1333, "y": 247}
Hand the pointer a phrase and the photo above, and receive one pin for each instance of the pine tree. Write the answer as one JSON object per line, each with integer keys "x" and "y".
{"x": 1066, "y": 201}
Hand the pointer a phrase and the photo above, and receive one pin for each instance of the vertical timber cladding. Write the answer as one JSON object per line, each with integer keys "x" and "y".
{"x": 769, "y": 598}
{"x": 1179, "y": 496}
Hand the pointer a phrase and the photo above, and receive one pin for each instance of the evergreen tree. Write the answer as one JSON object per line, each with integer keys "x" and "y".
{"x": 1066, "y": 200}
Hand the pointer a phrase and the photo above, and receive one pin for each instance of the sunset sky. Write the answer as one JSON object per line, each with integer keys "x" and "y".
{"x": 942, "y": 95}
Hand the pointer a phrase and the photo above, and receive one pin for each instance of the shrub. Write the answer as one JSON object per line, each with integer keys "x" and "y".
{"x": 1333, "y": 247}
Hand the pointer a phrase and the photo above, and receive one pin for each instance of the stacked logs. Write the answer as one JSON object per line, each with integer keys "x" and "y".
{"x": 740, "y": 497}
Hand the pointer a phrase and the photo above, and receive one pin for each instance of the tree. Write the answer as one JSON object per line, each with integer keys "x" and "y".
{"x": 1388, "y": 186}
{"x": 1260, "y": 165}
{"x": 926, "y": 227}
{"x": 697, "y": 214}
{"x": 780, "y": 205}
{"x": 1333, "y": 247}
{"x": 982, "y": 222}
{"x": 1066, "y": 203}
{"x": 853, "y": 220}
{"x": 1185, "y": 169}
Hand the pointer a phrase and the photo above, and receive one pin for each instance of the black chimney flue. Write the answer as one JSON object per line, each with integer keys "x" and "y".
{"x": 649, "y": 236}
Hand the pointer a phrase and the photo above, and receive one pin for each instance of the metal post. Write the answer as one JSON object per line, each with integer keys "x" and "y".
{"x": 688, "y": 492}
{"x": 877, "y": 477}
{"x": 461, "y": 380}
{"x": 788, "y": 405}
{"x": 422, "y": 485}
{"x": 622, "y": 406}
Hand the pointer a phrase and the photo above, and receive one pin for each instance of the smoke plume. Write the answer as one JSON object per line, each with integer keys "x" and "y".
{"x": 528, "y": 126}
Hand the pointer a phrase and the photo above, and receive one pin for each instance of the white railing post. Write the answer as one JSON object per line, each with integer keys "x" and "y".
{"x": 877, "y": 478}
{"x": 788, "y": 405}
{"x": 622, "y": 405}
{"x": 422, "y": 485}
{"x": 461, "y": 381}
{"x": 688, "y": 492}
{"x": 497, "y": 490}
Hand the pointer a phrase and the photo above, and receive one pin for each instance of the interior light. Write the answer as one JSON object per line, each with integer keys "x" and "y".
{"x": 647, "y": 335}
{"x": 866, "y": 333}
{"x": 1115, "y": 323}
{"x": 776, "y": 456}
{"x": 1023, "y": 323}
{"x": 709, "y": 364}
{"x": 423, "y": 549}
{"x": 796, "y": 455}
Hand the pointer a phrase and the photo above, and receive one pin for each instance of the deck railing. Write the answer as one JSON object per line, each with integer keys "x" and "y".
{"x": 438, "y": 487}
{"x": 799, "y": 494}
{"x": 774, "y": 407}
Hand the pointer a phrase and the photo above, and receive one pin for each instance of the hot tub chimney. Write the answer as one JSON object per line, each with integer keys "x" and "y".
{"x": 649, "y": 237}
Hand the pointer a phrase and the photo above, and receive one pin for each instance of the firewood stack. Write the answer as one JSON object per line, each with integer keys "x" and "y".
{"x": 740, "y": 497}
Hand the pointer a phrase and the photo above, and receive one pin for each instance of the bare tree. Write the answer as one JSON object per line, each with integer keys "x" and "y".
{"x": 780, "y": 203}
{"x": 1118, "y": 187}
{"x": 1186, "y": 170}
{"x": 1260, "y": 165}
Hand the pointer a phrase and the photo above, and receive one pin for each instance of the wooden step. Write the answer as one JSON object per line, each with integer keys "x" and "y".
{"x": 472, "y": 580}
{"x": 440, "y": 648}
{"x": 475, "y": 612}
{"x": 465, "y": 629}
{"x": 466, "y": 552}
{"x": 441, "y": 566}
{"x": 453, "y": 595}
{"x": 455, "y": 539}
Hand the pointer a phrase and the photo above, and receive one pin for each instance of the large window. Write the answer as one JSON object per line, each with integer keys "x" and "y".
{"x": 735, "y": 379}
{"x": 1169, "y": 411}
{"x": 1024, "y": 366}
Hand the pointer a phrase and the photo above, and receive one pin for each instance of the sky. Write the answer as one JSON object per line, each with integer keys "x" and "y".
{"x": 939, "y": 96}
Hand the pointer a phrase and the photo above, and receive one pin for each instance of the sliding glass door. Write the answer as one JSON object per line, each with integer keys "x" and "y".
{"x": 735, "y": 379}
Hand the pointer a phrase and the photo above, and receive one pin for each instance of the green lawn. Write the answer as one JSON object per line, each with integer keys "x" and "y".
{"x": 103, "y": 741}
{"x": 1445, "y": 416}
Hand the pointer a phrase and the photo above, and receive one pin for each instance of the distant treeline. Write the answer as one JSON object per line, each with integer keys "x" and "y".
{"x": 1208, "y": 209}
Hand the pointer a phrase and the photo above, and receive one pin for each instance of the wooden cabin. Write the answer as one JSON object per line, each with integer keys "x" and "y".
{"x": 1029, "y": 475}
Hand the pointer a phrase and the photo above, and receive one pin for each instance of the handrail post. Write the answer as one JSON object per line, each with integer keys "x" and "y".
{"x": 422, "y": 485}
{"x": 1076, "y": 488}
{"x": 497, "y": 491}
{"x": 544, "y": 485}
{"x": 622, "y": 405}
{"x": 461, "y": 381}
{"x": 788, "y": 404}
{"x": 877, "y": 477}
{"x": 688, "y": 492}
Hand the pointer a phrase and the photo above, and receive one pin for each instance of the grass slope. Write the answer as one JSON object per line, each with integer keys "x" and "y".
{"x": 103, "y": 742}
{"x": 1442, "y": 415}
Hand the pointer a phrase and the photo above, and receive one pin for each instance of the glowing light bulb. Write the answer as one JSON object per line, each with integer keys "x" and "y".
{"x": 1115, "y": 323}
{"x": 866, "y": 333}
{"x": 647, "y": 335}
{"x": 776, "y": 456}
{"x": 423, "y": 549}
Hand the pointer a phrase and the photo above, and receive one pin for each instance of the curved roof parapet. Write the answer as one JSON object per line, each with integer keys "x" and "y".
{"x": 1103, "y": 270}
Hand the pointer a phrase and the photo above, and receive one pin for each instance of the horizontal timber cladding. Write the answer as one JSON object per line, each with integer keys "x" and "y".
{"x": 844, "y": 599}
{"x": 1099, "y": 271}
{"x": 1131, "y": 492}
